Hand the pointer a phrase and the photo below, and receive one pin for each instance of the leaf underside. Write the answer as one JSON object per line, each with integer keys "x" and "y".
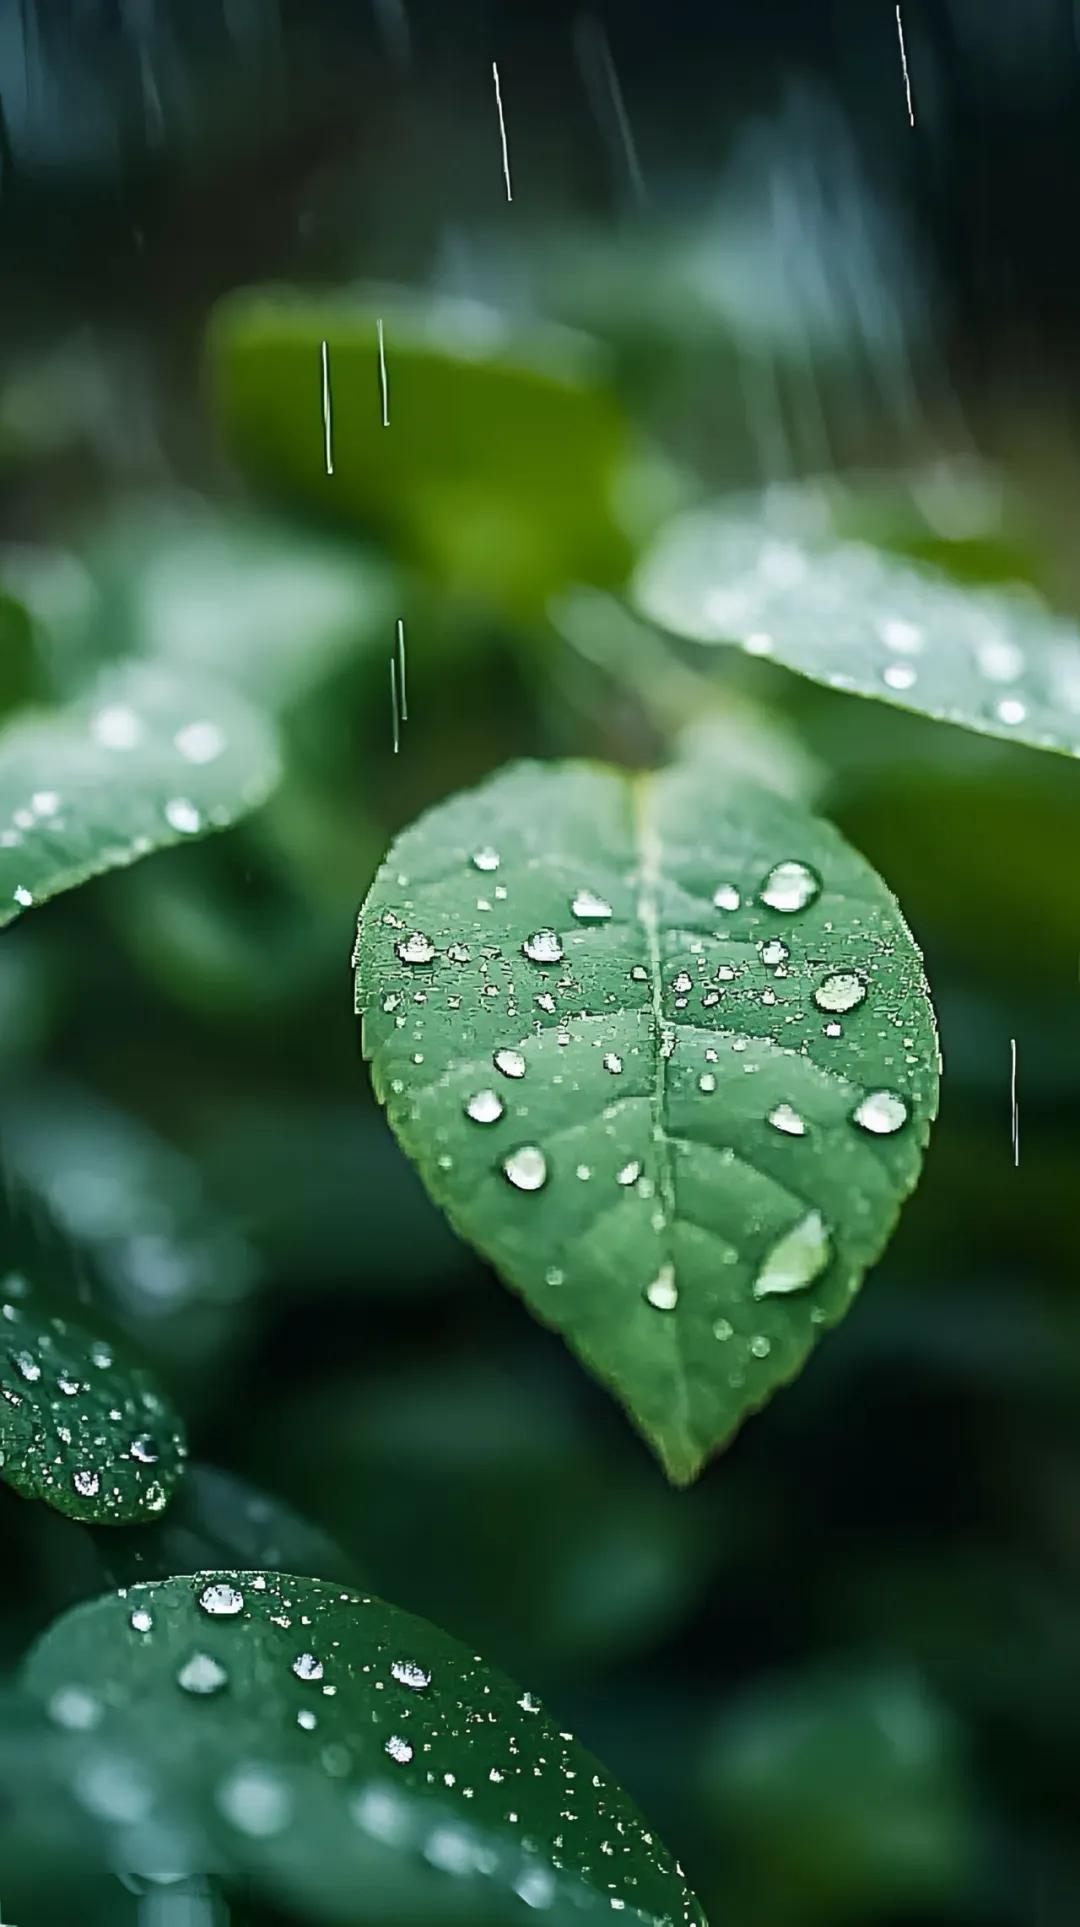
{"x": 344, "y": 1754}
{"x": 761, "y": 574}
{"x": 621, "y": 1168}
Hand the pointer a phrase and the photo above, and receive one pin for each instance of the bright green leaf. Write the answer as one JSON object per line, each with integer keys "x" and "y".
{"x": 151, "y": 757}
{"x": 349, "y": 1756}
{"x": 662, "y": 1049}
{"x": 769, "y": 575}
{"x": 501, "y": 464}
{"x": 80, "y": 1427}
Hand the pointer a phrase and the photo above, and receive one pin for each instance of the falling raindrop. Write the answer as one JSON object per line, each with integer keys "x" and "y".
{"x": 796, "y": 1260}
{"x": 840, "y": 991}
{"x": 543, "y": 947}
{"x": 484, "y": 1107}
{"x": 526, "y": 1168}
{"x": 881, "y": 1112}
{"x": 510, "y": 1062}
{"x": 589, "y": 908}
{"x": 790, "y": 886}
{"x": 415, "y": 948}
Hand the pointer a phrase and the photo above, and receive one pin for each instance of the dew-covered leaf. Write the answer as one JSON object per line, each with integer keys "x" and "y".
{"x": 662, "y": 1049}
{"x": 500, "y": 467}
{"x": 80, "y": 1426}
{"x": 769, "y": 575}
{"x": 151, "y": 757}
{"x": 347, "y": 1755}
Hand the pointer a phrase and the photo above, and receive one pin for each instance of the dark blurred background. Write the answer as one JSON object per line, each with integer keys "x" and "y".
{"x": 843, "y": 1672}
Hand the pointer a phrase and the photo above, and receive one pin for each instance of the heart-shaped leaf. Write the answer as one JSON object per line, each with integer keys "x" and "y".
{"x": 347, "y": 1755}
{"x": 769, "y": 575}
{"x": 151, "y": 757}
{"x": 662, "y": 1048}
{"x": 490, "y": 459}
{"x": 80, "y": 1427}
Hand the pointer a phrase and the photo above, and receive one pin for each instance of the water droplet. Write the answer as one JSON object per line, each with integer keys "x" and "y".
{"x": 27, "y": 1366}
{"x": 998, "y": 659}
{"x": 200, "y": 742}
{"x": 785, "y": 1119}
{"x": 408, "y": 1673}
{"x": 306, "y": 1666}
{"x": 613, "y": 1063}
{"x": 415, "y": 948}
{"x": 484, "y": 1107}
{"x": 486, "y": 859}
{"x": 629, "y": 1173}
{"x": 87, "y": 1483}
{"x": 543, "y": 947}
{"x": 202, "y": 1674}
{"x": 399, "y": 1749}
{"x": 760, "y": 1346}
{"x": 22, "y": 895}
{"x": 528, "y": 1704}
{"x": 141, "y": 1621}
{"x": 221, "y": 1600}
{"x": 834, "y": 1030}
{"x": 906, "y": 638}
{"x": 510, "y": 1062}
{"x": 181, "y": 814}
{"x": 899, "y": 675}
{"x": 682, "y": 983}
{"x": 307, "y": 1719}
{"x": 639, "y": 974}
{"x": 774, "y": 952}
{"x": 881, "y": 1112}
{"x": 841, "y": 991}
{"x": 589, "y": 908}
{"x": 726, "y": 897}
{"x": 796, "y": 1260}
{"x": 663, "y": 1293}
{"x": 723, "y": 1330}
{"x": 74, "y": 1708}
{"x": 117, "y": 728}
{"x": 1011, "y": 710}
{"x": 144, "y": 1448}
{"x": 255, "y": 1801}
{"x": 790, "y": 886}
{"x": 526, "y": 1168}
{"x": 707, "y": 1083}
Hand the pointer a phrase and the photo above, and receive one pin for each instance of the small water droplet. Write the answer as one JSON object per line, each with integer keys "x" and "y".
{"x": 613, "y": 1063}
{"x": 906, "y": 638}
{"x": 1011, "y": 710}
{"x": 629, "y": 1173}
{"x": 399, "y": 1749}
{"x": 899, "y": 675}
{"x": 543, "y": 947}
{"x": 526, "y": 1168}
{"x": 707, "y": 1083}
{"x": 22, "y": 895}
{"x": 141, "y": 1621}
{"x": 760, "y": 1346}
{"x": 726, "y": 897}
{"x": 415, "y": 948}
{"x": 74, "y": 1708}
{"x": 841, "y": 991}
{"x": 639, "y": 974}
{"x": 27, "y": 1366}
{"x": 486, "y": 859}
{"x": 774, "y": 952}
{"x": 881, "y": 1112}
{"x": 788, "y": 1120}
{"x": 200, "y": 742}
{"x": 589, "y": 908}
{"x": 87, "y": 1483}
{"x": 484, "y": 1107}
{"x": 306, "y": 1666}
{"x": 202, "y": 1674}
{"x": 221, "y": 1600}
{"x": 510, "y": 1062}
{"x": 790, "y": 886}
{"x": 181, "y": 814}
{"x": 255, "y": 1801}
{"x": 663, "y": 1292}
{"x": 144, "y": 1448}
{"x": 408, "y": 1673}
{"x": 796, "y": 1259}
{"x": 723, "y": 1329}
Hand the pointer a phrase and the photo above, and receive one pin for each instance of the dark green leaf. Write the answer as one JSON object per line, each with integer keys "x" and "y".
{"x": 80, "y": 1427}
{"x": 769, "y": 575}
{"x": 215, "y": 1520}
{"x": 150, "y": 758}
{"x": 351, "y": 1757}
{"x": 662, "y": 1048}
{"x": 499, "y": 468}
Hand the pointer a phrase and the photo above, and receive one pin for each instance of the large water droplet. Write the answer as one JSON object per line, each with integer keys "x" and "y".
{"x": 589, "y": 908}
{"x": 663, "y": 1292}
{"x": 202, "y": 1674}
{"x": 526, "y": 1168}
{"x": 486, "y": 859}
{"x": 881, "y": 1112}
{"x": 484, "y": 1107}
{"x": 840, "y": 991}
{"x": 790, "y": 886}
{"x": 141, "y": 1621}
{"x": 786, "y": 1119}
{"x": 796, "y": 1260}
{"x": 306, "y": 1666}
{"x": 221, "y": 1600}
{"x": 543, "y": 947}
{"x": 415, "y": 948}
{"x": 510, "y": 1062}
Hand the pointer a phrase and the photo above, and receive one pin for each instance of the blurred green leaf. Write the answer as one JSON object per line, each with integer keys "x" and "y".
{"x": 768, "y": 574}
{"x": 503, "y": 468}
{"x": 345, "y": 1753}
{"x": 150, "y": 757}
{"x": 217, "y": 1520}
{"x": 839, "y": 1795}
{"x": 80, "y": 1427}
{"x": 690, "y": 1200}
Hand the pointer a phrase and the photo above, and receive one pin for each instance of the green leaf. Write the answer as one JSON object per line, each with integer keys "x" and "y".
{"x": 151, "y": 757}
{"x": 630, "y": 1068}
{"x": 80, "y": 1427}
{"x": 769, "y": 575}
{"x": 215, "y": 1520}
{"x": 347, "y": 1755}
{"x": 500, "y": 468}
